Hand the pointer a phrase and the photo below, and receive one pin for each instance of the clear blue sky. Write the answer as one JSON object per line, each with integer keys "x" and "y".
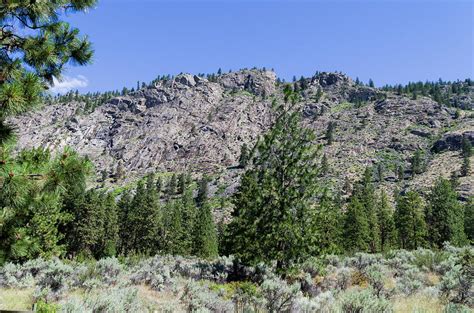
{"x": 388, "y": 41}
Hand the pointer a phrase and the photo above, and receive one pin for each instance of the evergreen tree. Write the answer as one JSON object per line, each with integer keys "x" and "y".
{"x": 371, "y": 83}
{"x": 445, "y": 216}
{"x": 89, "y": 224}
{"x": 409, "y": 221}
{"x": 144, "y": 218}
{"x": 386, "y": 223}
{"x": 36, "y": 46}
{"x": 466, "y": 153}
{"x": 174, "y": 234}
{"x": 182, "y": 182}
{"x": 400, "y": 172}
{"x": 324, "y": 166}
{"x": 365, "y": 192}
{"x": 274, "y": 214}
{"x": 416, "y": 163}
{"x": 111, "y": 227}
{"x": 328, "y": 225}
{"x": 203, "y": 192}
{"x": 469, "y": 219}
{"x": 356, "y": 227}
{"x": 379, "y": 172}
{"x": 330, "y": 133}
{"x": 244, "y": 156}
{"x": 125, "y": 226}
{"x": 172, "y": 185}
{"x": 159, "y": 185}
{"x": 205, "y": 235}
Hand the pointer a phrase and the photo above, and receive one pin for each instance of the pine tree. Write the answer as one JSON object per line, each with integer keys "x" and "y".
{"x": 324, "y": 166}
{"x": 386, "y": 223}
{"x": 124, "y": 209}
{"x": 172, "y": 185}
{"x": 416, "y": 163}
{"x": 36, "y": 46}
{"x": 365, "y": 192}
{"x": 174, "y": 234}
{"x": 205, "y": 235}
{"x": 356, "y": 227}
{"x": 182, "y": 182}
{"x": 328, "y": 225}
{"x": 273, "y": 219}
{"x": 400, "y": 173}
{"x": 469, "y": 219}
{"x": 244, "y": 156}
{"x": 371, "y": 83}
{"x": 330, "y": 133}
{"x": 410, "y": 222}
{"x": 380, "y": 172}
{"x": 466, "y": 153}
{"x": 445, "y": 215}
{"x": 89, "y": 225}
{"x": 111, "y": 227}
{"x": 144, "y": 218}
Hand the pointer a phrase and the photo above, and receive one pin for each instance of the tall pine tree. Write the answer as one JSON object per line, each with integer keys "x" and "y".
{"x": 274, "y": 212}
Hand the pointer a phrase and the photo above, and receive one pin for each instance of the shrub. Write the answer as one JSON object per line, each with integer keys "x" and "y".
{"x": 113, "y": 300}
{"x": 53, "y": 280}
{"x": 108, "y": 270}
{"x": 375, "y": 277}
{"x": 322, "y": 303}
{"x": 361, "y": 260}
{"x": 278, "y": 294}
{"x": 199, "y": 298}
{"x": 13, "y": 276}
{"x": 152, "y": 272}
{"x": 355, "y": 300}
{"x": 410, "y": 281}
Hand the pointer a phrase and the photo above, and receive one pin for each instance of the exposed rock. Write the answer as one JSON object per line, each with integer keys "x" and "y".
{"x": 452, "y": 141}
{"x": 192, "y": 124}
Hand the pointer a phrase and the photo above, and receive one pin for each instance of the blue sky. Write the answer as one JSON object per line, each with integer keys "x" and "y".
{"x": 388, "y": 41}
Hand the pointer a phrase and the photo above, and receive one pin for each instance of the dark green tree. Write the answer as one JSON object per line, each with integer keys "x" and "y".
{"x": 445, "y": 215}
{"x": 172, "y": 185}
{"x": 274, "y": 212}
{"x": 469, "y": 219}
{"x": 416, "y": 163}
{"x": 324, "y": 165}
{"x": 330, "y": 133}
{"x": 356, "y": 233}
{"x": 328, "y": 225}
{"x": 388, "y": 235}
{"x": 205, "y": 232}
{"x": 410, "y": 221}
{"x": 244, "y": 156}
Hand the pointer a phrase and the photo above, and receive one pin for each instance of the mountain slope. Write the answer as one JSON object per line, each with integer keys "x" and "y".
{"x": 189, "y": 123}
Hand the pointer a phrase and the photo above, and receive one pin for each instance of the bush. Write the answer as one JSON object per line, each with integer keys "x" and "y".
{"x": 199, "y": 298}
{"x": 115, "y": 300}
{"x": 152, "y": 272}
{"x": 53, "y": 281}
{"x": 410, "y": 281}
{"x": 354, "y": 301}
{"x": 278, "y": 294}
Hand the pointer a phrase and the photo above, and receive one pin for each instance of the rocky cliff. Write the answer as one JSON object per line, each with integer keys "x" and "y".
{"x": 189, "y": 123}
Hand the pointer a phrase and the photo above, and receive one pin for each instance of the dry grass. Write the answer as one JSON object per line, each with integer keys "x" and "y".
{"x": 16, "y": 299}
{"x": 417, "y": 304}
{"x": 161, "y": 301}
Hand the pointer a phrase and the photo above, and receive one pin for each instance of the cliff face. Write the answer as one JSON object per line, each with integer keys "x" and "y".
{"x": 191, "y": 124}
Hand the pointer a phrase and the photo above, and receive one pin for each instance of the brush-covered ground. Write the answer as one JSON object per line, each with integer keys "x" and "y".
{"x": 398, "y": 281}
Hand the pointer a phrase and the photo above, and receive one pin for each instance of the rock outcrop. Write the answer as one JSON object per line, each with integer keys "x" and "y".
{"x": 191, "y": 124}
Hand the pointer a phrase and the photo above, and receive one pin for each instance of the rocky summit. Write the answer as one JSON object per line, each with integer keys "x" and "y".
{"x": 189, "y": 123}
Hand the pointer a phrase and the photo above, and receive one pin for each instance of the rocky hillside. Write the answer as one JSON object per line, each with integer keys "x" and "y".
{"x": 189, "y": 123}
